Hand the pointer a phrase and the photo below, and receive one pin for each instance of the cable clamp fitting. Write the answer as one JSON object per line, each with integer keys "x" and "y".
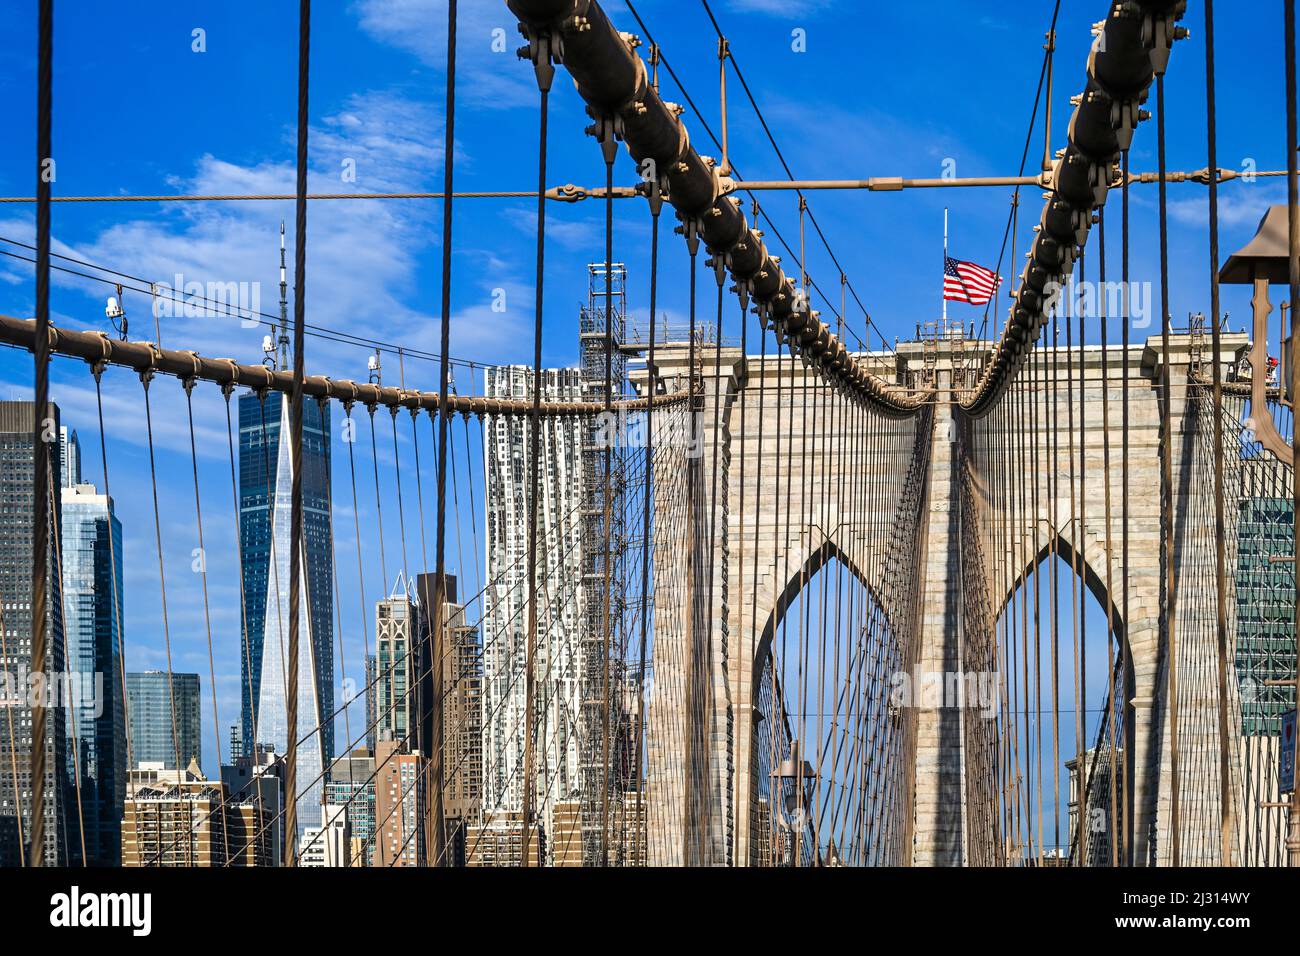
{"x": 544, "y": 50}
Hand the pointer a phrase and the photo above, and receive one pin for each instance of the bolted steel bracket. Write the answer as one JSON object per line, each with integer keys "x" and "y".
{"x": 741, "y": 289}
{"x": 690, "y": 228}
{"x": 719, "y": 261}
{"x": 608, "y": 131}
{"x": 654, "y": 194}
{"x": 544, "y": 50}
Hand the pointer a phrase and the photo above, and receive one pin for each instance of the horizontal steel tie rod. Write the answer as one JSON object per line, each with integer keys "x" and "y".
{"x": 571, "y": 193}
{"x": 565, "y": 193}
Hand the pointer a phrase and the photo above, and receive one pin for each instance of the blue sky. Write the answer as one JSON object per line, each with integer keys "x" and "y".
{"x": 895, "y": 91}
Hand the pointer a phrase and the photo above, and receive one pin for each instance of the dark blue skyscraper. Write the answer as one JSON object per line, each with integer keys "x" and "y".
{"x": 259, "y": 438}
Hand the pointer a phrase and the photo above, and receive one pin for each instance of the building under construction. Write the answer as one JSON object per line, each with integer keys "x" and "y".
{"x": 602, "y": 325}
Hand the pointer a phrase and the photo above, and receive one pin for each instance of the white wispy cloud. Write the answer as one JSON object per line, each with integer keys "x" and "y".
{"x": 1240, "y": 204}
{"x": 488, "y": 74}
{"x": 576, "y": 234}
{"x": 364, "y": 257}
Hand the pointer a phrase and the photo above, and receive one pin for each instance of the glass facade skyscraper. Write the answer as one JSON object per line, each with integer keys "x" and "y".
{"x": 93, "y": 602}
{"x": 272, "y": 727}
{"x": 149, "y": 709}
{"x": 260, "y": 458}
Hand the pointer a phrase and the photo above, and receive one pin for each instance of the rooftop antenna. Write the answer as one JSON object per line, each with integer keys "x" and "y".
{"x": 284, "y": 306}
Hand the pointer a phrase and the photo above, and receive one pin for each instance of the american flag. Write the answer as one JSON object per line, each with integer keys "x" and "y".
{"x": 967, "y": 282}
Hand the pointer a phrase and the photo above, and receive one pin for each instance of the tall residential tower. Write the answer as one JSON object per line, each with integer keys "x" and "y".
{"x": 559, "y": 589}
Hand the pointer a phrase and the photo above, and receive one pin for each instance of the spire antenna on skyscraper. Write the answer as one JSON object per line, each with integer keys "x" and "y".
{"x": 284, "y": 306}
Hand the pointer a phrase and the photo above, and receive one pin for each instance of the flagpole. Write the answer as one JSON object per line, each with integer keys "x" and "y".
{"x": 945, "y": 260}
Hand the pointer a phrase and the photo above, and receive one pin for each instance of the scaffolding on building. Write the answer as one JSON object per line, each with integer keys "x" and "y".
{"x": 604, "y": 526}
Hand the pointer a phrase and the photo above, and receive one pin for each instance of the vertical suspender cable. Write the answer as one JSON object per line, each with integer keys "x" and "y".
{"x": 384, "y": 583}
{"x": 322, "y": 404}
{"x": 207, "y": 616}
{"x": 1293, "y": 234}
{"x": 401, "y": 510}
{"x": 41, "y": 438}
{"x": 1166, "y": 471}
{"x": 692, "y": 806}
{"x": 545, "y": 73}
{"x": 755, "y": 688}
{"x": 1053, "y": 494}
{"x": 1110, "y": 715}
{"x": 145, "y": 378}
{"x": 1130, "y": 713}
{"x": 1078, "y": 599}
{"x": 115, "y": 599}
{"x": 247, "y": 661}
{"x": 639, "y": 850}
{"x": 275, "y": 583}
{"x": 1220, "y": 556}
{"x": 1035, "y": 389}
{"x": 1022, "y": 576}
{"x": 719, "y": 396}
{"x": 74, "y": 743}
{"x": 440, "y": 561}
{"x": 609, "y": 146}
{"x": 295, "y": 438}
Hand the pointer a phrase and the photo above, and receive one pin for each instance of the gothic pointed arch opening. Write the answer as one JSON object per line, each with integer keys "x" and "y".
{"x": 1062, "y": 727}
{"x": 829, "y": 757}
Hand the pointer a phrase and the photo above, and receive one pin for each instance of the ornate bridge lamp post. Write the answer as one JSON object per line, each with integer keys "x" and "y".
{"x": 1262, "y": 261}
{"x": 793, "y": 811}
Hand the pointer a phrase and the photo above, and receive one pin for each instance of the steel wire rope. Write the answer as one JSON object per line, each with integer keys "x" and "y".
{"x": 247, "y": 662}
{"x": 1112, "y": 657}
{"x": 609, "y": 146}
{"x": 1220, "y": 531}
{"x": 207, "y": 616}
{"x": 73, "y": 718}
{"x": 162, "y": 581}
{"x": 544, "y": 73}
{"x": 40, "y": 439}
{"x": 651, "y": 374}
{"x": 1168, "y": 593}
